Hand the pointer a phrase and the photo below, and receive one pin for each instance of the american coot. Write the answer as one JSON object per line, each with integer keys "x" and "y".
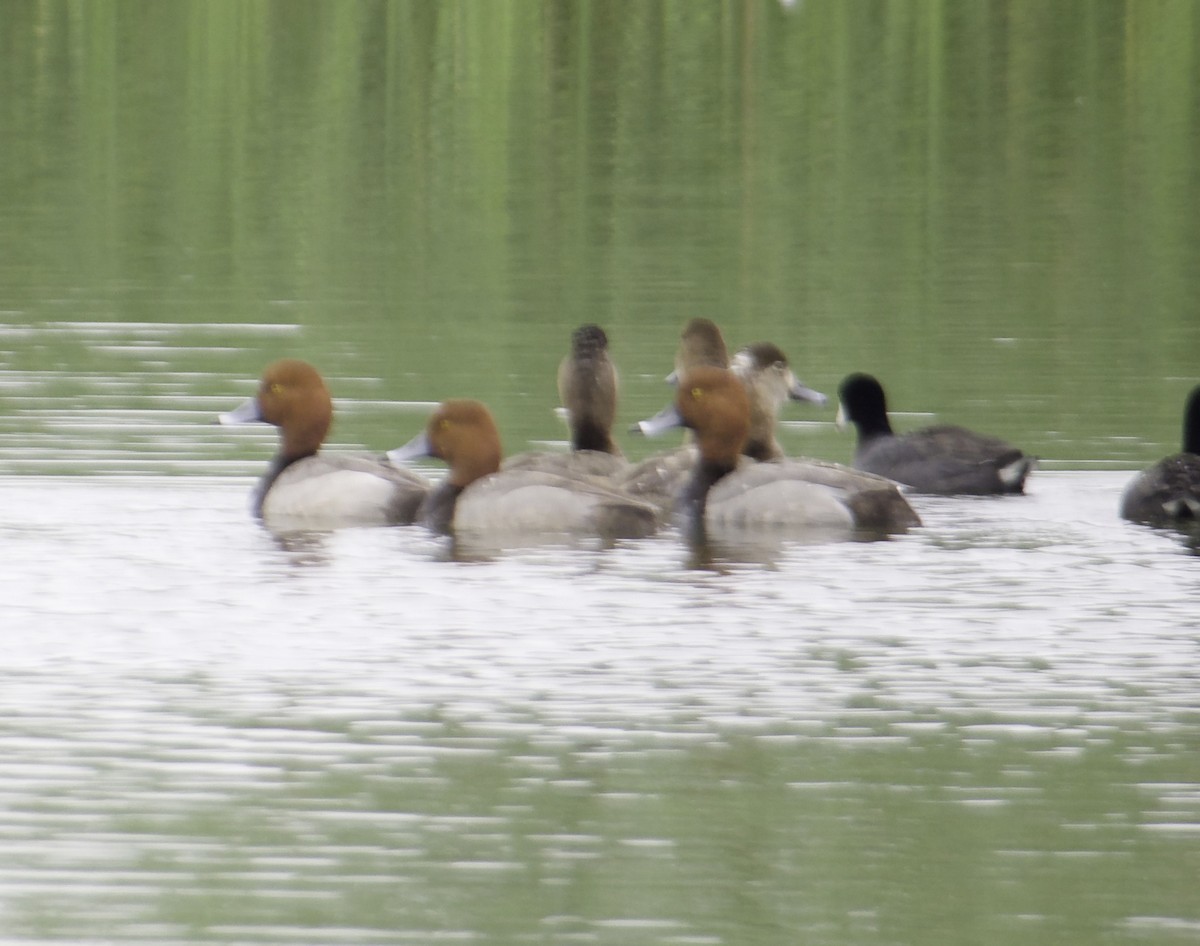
{"x": 942, "y": 459}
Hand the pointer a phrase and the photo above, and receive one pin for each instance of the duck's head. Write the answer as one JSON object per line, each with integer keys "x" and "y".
{"x": 764, "y": 367}
{"x": 861, "y": 402}
{"x": 462, "y": 433}
{"x": 700, "y": 345}
{"x": 588, "y": 341}
{"x": 713, "y": 403}
{"x": 292, "y": 396}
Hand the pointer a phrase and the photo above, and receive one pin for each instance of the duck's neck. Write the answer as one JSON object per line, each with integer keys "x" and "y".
{"x": 872, "y": 427}
{"x": 591, "y": 435}
{"x": 1191, "y": 424}
{"x": 762, "y": 449}
{"x": 694, "y": 500}
{"x": 437, "y": 511}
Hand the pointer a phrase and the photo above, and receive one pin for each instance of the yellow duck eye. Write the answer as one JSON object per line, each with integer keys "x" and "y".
{"x": 697, "y": 393}
{"x": 276, "y": 388}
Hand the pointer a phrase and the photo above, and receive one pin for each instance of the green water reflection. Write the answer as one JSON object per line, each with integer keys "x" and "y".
{"x": 991, "y": 205}
{"x": 876, "y": 829}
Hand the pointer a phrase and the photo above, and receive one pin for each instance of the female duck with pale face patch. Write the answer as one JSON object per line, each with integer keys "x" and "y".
{"x": 478, "y": 499}
{"x": 770, "y": 382}
{"x": 727, "y": 491}
{"x": 304, "y": 488}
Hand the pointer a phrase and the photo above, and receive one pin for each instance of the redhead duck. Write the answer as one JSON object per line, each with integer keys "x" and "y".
{"x": 305, "y": 488}
{"x": 730, "y": 491}
{"x": 1168, "y": 493}
{"x": 477, "y": 498}
{"x": 660, "y": 478}
{"x": 769, "y": 381}
{"x": 762, "y": 367}
{"x": 587, "y": 388}
{"x": 943, "y": 459}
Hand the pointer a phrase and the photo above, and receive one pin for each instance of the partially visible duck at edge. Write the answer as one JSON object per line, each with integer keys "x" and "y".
{"x": 478, "y": 498}
{"x": 587, "y": 389}
{"x": 305, "y": 488}
{"x": 1168, "y": 493}
{"x": 943, "y": 459}
{"x": 729, "y": 491}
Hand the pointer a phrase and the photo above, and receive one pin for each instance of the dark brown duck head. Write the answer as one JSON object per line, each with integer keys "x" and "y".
{"x": 587, "y": 388}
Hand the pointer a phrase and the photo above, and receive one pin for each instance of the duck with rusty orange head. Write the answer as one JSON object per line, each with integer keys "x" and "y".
{"x": 304, "y": 488}
{"x": 769, "y": 381}
{"x": 479, "y": 499}
{"x": 728, "y": 491}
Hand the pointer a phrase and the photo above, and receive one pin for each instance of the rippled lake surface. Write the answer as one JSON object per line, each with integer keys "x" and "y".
{"x": 984, "y": 732}
{"x": 211, "y": 733}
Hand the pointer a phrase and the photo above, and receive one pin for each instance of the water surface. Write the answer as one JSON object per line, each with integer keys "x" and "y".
{"x": 983, "y": 732}
{"x": 212, "y": 733}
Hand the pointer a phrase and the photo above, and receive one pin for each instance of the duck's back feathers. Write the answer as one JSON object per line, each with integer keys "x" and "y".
{"x": 800, "y": 492}
{"x": 948, "y": 460}
{"x": 323, "y": 491}
{"x": 942, "y": 459}
{"x": 529, "y": 502}
{"x": 659, "y": 479}
{"x": 576, "y": 464}
{"x": 758, "y": 496}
